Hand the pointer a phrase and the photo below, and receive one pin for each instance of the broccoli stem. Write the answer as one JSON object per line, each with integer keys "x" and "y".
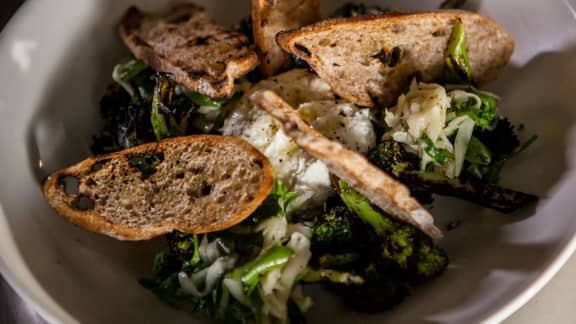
{"x": 486, "y": 195}
{"x": 457, "y": 67}
{"x": 196, "y": 258}
{"x": 360, "y": 206}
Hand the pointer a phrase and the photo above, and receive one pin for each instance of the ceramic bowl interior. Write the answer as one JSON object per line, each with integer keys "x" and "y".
{"x": 56, "y": 58}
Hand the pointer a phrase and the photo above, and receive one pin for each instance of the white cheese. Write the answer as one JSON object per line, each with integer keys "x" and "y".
{"x": 337, "y": 119}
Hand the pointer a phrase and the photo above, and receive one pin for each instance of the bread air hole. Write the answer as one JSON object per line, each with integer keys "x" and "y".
{"x": 99, "y": 165}
{"x": 83, "y": 203}
{"x": 71, "y": 184}
{"x": 258, "y": 163}
{"x": 303, "y": 50}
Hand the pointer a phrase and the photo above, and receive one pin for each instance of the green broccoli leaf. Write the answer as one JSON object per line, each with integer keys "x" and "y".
{"x": 484, "y": 116}
{"x": 457, "y": 67}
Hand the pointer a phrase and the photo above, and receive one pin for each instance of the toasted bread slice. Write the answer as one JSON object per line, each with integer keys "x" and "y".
{"x": 370, "y": 60}
{"x": 381, "y": 189}
{"x": 271, "y": 17}
{"x": 194, "y": 184}
{"x": 185, "y": 42}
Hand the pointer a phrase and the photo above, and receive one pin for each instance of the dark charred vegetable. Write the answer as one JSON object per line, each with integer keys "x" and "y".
{"x": 355, "y": 10}
{"x": 452, "y": 4}
{"x": 484, "y": 194}
{"x": 338, "y": 230}
{"x": 391, "y": 157}
{"x": 126, "y": 122}
{"x": 401, "y": 243}
{"x": 378, "y": 273}
{"x": 145, "y": 106}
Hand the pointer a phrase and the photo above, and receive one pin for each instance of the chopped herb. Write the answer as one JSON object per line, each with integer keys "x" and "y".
{"x": 441, "y": 156}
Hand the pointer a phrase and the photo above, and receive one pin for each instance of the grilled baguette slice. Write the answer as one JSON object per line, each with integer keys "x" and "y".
{"x": 381, "y": 189}
{"x": 200, "y": 54}
{"x": 370, "y": 60}
{"x": 271, "y": 17}
{"x": 194, "y": 184}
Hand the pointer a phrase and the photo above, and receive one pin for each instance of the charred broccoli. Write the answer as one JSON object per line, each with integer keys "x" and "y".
{"x": 430, "y": 261}
{"x": 391, "y": 157}
{"x": 379, "y": 272}
{"x": 401, "y": 245}
{"x": 336, "y": 229}
{"x": 349, "y": 10}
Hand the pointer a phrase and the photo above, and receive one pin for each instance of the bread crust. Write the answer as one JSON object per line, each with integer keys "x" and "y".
{"x": 92, "y": 169}
{"x": 382, "y": 190}
{"x": 185, "y": 42}
{"x": 271, "y": 17}
{"x": 345, "y": 51}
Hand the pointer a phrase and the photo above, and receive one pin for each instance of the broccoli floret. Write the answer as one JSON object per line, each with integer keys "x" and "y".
{"x": 337, "y": 230}
{"x": 392, "y": 158}
{"x": 431, "y": 261}
{"x": 398, "y": 246}
{"x": 404, "y": 248}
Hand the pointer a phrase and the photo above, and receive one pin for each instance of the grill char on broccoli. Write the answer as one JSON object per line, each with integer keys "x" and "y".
{"x": 391, "y": 157}
{"x": 385, "y": 258}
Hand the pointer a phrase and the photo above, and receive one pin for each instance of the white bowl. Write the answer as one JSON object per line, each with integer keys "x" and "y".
{"x": 56, "y": 58}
